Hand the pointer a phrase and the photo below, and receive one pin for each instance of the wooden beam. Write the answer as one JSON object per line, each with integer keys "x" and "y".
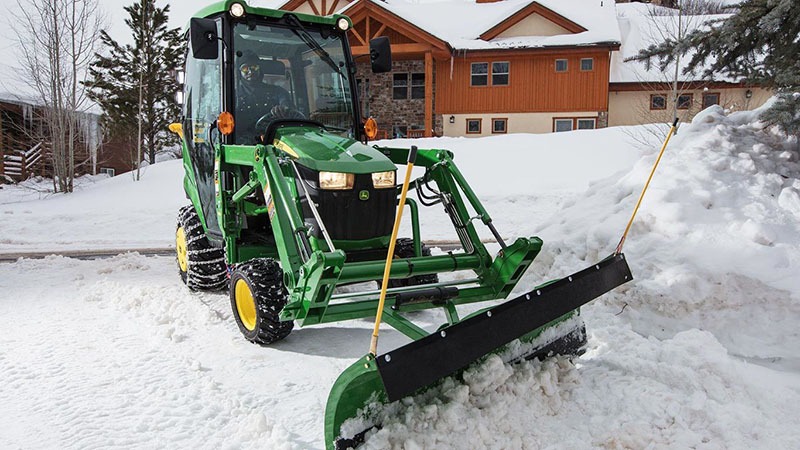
{"x": 396, "y": 48}
{"x": 428, "y": 94}
{"x": 333, "y": 6}
{"x": 380, "y": 30}
{"x": 313, "y": 7}
{"x": 359, "y": 38}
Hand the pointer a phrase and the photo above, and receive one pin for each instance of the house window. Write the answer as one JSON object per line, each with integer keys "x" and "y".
{"x": 562, "y": 125}
{"x": 587, "y": 64}
{"x": 500, "y": 73}
{"x": 658, "y": 101}
{"x": 400, "y": 131}
{"x": 417, "y": 85}
{"x": 561, "y": 65}
{"x": 710, "y": 99}
{"x": 108, "y": 171}
{"x": 499, "y": 126}
{"x": 473, "y": 126}
{"x": 684, "y": 101}
{"x": 400, "y": 86}
{"x": 480, "y": 74}
{"x": 586, "y": 124}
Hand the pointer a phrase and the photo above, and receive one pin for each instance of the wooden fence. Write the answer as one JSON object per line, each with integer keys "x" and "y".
{"x": 19, "y": 165}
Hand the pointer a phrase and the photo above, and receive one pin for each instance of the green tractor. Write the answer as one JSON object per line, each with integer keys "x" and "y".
{"x": 290, "y": 202}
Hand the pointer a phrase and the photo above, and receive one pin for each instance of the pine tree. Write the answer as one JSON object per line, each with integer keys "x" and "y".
{"x": 758, "y": 44}
{"x": 137, "y": 81}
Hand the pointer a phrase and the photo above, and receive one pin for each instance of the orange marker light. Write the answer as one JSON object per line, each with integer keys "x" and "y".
{"x": 371, "y": 128}
{"x": 225, "y": 123}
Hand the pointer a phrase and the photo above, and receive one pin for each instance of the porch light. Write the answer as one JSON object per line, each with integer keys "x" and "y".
{"x": 237, "y": 10}
{"x": 452, "y": 119}
{"x": 748, "y": 93}
{"x": 343, "y": 24}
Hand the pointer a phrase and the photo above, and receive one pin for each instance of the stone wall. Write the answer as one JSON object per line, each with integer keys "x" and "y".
{"x": 390, "y": 113}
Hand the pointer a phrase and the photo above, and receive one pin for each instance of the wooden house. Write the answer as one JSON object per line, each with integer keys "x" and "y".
{"x": 24, "y": 150}
{"x": 641, "y": 95}
{"x": 477, "y": 68}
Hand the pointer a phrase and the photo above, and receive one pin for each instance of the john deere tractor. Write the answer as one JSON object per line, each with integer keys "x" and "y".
{"x": 289, "y": 201}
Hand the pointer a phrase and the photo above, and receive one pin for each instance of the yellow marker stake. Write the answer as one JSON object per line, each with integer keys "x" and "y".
{"x": 412, "y": 156}
{"x": 641, "y": 196}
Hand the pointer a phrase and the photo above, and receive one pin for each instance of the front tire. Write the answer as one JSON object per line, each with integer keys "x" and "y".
{"x": 257, "y": 298}
{"x": 200, "y": 264}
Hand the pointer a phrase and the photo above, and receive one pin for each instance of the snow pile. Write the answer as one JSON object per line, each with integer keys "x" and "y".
{"x": 698, "y": 352}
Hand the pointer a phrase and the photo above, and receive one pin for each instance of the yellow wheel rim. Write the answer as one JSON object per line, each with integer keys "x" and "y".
{"x": 180, "y": 247}
{"x": 245, "y": 305}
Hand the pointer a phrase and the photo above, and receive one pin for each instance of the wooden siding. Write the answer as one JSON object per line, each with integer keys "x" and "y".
{"x": 534, "y": 85}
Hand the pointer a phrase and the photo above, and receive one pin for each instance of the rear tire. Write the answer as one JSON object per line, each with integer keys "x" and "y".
{"x": 200, "y": 264}
{"x": 257, "y": 298}
{"x": 404, "y": 248}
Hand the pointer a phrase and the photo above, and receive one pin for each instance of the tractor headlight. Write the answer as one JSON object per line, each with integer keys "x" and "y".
{"x": 382, "y": 180}
{"x": 336, "y": 181}
{"x": 343, "y": 24}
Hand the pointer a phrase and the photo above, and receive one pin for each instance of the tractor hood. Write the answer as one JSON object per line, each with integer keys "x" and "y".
{"x": 321, "y": 151}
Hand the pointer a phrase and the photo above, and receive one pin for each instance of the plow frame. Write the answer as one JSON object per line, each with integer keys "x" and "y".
{"x": 419, "y": 365}
{"x": 312, "y": 271}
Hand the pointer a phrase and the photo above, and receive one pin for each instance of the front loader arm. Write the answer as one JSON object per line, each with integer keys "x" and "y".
{"x": 311, "y": 275}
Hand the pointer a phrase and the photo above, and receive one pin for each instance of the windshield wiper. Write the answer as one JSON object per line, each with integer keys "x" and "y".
{"x": 312, "y": 43}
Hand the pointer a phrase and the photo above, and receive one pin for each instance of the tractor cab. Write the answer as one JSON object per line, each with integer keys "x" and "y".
{"x": 278, "y": 78}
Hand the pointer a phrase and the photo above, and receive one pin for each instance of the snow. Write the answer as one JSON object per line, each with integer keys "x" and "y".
{"x": 468, "y": 20}
{"x": 642, "y": 25}
{"x": 699, "y": 351}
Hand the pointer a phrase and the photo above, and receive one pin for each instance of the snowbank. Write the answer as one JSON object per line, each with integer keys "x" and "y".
{"x": 698, "y": 352}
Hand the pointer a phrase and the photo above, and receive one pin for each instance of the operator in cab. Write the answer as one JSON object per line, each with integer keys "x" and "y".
{"x": 256, "y": 101}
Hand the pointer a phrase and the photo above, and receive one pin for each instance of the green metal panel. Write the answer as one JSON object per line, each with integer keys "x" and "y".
{"x": 190, "y": 184}
{"x": 320, "y": 151}
{"x": 221, "y": 7}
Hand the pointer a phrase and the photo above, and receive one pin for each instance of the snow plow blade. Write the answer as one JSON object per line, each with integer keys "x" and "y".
{"x": 420, "y": 364}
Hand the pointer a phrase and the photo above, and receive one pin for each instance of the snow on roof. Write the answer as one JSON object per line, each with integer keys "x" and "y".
{"x": 642, "y": 25}
{"x": 460, "y": 23}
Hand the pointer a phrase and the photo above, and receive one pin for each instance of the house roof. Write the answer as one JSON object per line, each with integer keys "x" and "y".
{"x": 463, "y": 23}
{"x": 642, "y": 25}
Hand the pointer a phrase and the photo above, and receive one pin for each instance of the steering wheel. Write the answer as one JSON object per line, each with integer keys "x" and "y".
{"x": 277, "y": 112}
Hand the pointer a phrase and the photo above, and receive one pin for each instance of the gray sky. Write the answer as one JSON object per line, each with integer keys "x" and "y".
{"x": 180, "y": 12}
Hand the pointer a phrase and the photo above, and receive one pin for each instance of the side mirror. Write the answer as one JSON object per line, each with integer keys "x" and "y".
{"x": 380, "y": 53}
{"x": 203, "y": 37}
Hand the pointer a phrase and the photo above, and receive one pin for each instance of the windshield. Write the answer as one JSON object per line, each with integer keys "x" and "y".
{"x": 279, "y": 74}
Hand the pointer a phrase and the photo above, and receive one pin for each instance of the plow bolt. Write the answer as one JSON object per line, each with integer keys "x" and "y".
{"x": 443, "y": 333}
{"x": 388, "y": 358}
{"x": 488, "y": 314}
